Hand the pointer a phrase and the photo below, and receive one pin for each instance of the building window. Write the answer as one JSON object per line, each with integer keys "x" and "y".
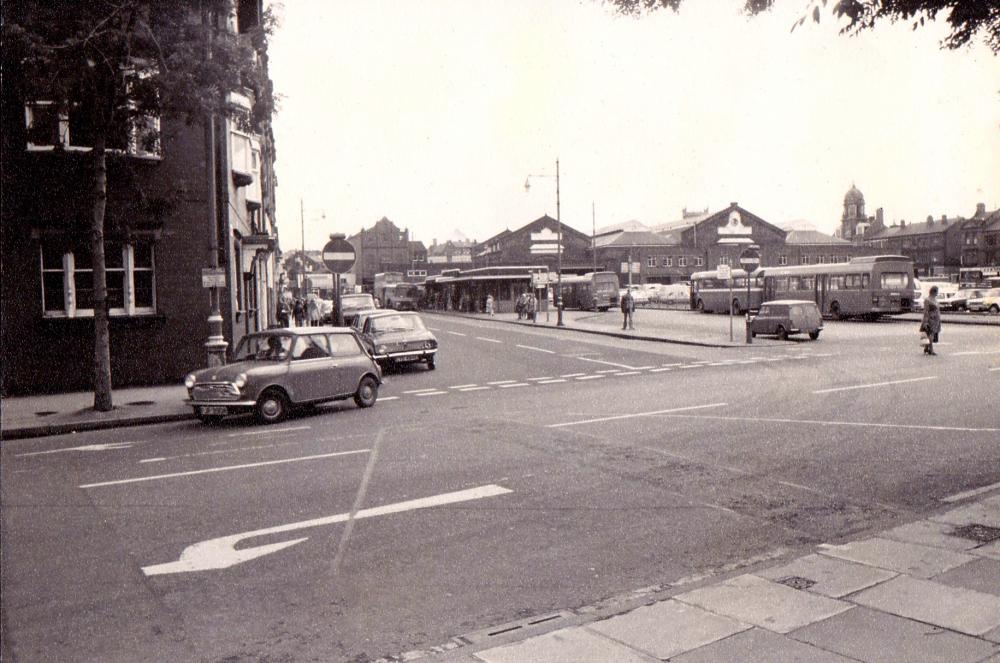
{"x": 668, "y": 261}
{"x": 50, "y": 128}
{"x": 804, "y": 260}
{"x": 699, "y": 261}
{"x": 682, "y": 262}
{"x": 68, "y": 279}
{"x": 651, "y": 261}
{"x": 782, "y": 260}
{"x": 724, "y": 260}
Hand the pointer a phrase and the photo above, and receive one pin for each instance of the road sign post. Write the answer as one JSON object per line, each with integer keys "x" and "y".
{"x": 725, "y": 272}
{"x": 338, "y": 256}
{"x": 749, "y": 260}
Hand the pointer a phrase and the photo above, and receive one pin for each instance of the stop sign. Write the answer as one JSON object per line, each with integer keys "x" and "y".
{"x": 338, "y": 255}
{"x": 750, "y": 258}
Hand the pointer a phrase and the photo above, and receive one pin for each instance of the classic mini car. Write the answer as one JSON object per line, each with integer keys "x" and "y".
{"x": 782, "y": 317}
{"x": 989, "y": 302}
{"x": 275, "y": 370}
{"x": 398, "y": 336}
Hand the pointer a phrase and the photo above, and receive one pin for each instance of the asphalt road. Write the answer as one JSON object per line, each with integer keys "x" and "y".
{"x": 534, "y": 470}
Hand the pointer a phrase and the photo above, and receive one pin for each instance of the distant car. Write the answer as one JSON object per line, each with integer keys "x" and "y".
{"x": 276, "y": 370}
{"x": 639, "y": 295}
{"x": 356, "y": 303}
{"x": 918, "y": 296}
{"x": 783, "y": 317}
{"x": 959, "y": 301}
{"x": 396, "y": 337}
{"x": 989, "y": 302}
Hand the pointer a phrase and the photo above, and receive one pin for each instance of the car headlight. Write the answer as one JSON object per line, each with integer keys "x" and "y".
{"x": 430, "y": 344}
{"x": 240, "y": 381}
{"x": 381, "y": 349}
{"x": 189, "y": 380}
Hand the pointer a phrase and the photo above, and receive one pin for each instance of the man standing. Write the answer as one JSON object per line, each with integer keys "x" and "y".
{"x": 628, "y": 309}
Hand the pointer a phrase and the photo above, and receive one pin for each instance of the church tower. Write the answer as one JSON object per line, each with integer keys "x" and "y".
{"x": 854, "y": 214}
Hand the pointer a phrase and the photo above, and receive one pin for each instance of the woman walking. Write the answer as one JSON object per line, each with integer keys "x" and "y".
{"x": 931, "y": 323}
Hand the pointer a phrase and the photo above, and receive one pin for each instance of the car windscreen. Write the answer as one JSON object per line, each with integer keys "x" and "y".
{"x": 396, "y": 323}
{"x": 263, "y": 347}
{"x": 357, "y": 301}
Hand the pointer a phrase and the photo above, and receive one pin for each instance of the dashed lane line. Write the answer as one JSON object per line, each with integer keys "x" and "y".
{"x": 552, "y": 381}
{"x": 474, "y": 388}
{"x": 418, "y": 391}
{"x": 454, "y": 333}
{"x": 856, "y": 424}
{"x": 547, "y": 377}
{"x": 590, "y": 377}
{"x": 488, "y": 340}
{"x": 227, "y": 468}
{"x": 269, "y": 431}
{"x": 515, "y": 384}
{"x": 388, "y": 398}
{"x": 628, "y": 373}
{"x": 661, "y": 370}
{"x": 531, "y": 347}
{"x": 637, "y": 414}
{"x": 431, "y": 393}
{"x": 608, "y": 370}
{"x": 572, "y": 375}
{"x": 496, "y": 382}
{"x": 874, "y": 384}
{"x": 462, "y": 386}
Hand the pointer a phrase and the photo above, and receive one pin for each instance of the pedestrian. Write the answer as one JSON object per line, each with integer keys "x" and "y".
{"x": 313, "y": 311}
{"x": 628, "y": 310}
{"x": 522, "y": 301}
{"x": 282, "y": 315}
{"x": 930, "y": 325}
{"x": 489, "y": 305}
{"x": 299, "y": 311}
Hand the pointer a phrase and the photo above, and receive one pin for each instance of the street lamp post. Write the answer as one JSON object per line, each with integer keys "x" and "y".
{"x": 558, "y": 298}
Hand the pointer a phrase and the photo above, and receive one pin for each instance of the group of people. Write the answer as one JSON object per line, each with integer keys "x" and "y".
{"x": 298, "y": 312}
{"x": 526, "y": 306}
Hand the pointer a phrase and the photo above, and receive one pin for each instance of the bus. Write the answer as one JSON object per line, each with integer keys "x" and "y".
{"x": 866, "y": 287}
{"x": 393, "y": 291}
{"x": 979, "y": 277}
{"x": 595, "y": 291}
{"x": 711, "y": 294}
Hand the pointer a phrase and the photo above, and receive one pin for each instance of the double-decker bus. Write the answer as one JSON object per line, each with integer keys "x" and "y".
{"x": 596, "y": 291}
{"x": 865, "y": 287}
{"x": 712, "y": 294}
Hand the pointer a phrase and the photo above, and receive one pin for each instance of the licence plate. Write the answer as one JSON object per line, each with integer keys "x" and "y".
{"x": 213, "y": 409}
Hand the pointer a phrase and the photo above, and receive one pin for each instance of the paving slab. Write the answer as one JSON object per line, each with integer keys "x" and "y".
{"x": 930, "y": 533}
{"x": 956, "y": 608}
{"x": 909, "y": 558}
{"x": 760, "y": 645}
{"x": 981, "y": 575}
{"x": 878, "y": 637}
{"x": 835, "y": 578}
{"x": 754, "y": 600}
{"x": 668, "y": 628}
{"x": 568, "y": 645}
{"x": 985, "y": 512}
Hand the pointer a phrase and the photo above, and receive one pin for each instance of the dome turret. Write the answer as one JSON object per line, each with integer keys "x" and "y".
{"x": 854, "y": 196}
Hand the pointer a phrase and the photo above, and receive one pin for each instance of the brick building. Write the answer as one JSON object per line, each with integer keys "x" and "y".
{"x": 157, "y": 230}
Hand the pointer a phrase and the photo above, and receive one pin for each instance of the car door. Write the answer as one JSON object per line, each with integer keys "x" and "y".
{"x": 311, "y": 370}
{"x": 351, "y": 362}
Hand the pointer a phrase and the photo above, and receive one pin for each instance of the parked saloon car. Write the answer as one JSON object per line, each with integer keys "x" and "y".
{"x": 278, "y": 369}
{"x": 787, "y": 316}
{"x": 354, "y": 304}
{"x": 398, "y": 337}
{"x": 989, "y": 302}
{"x": 959, "y": 302}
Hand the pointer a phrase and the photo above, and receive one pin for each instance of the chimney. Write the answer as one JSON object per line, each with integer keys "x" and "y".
{"x": 879, "y": 217}
{"x": 902, "y": 223}
{"x": 733, "y": 204}
{"x": 944, "y": 220}
{"x": 930, "y": 221}
{"x": 980, "y": 210}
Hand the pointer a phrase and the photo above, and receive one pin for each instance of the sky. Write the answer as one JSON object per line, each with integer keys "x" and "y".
{"x": 433, "y": 113}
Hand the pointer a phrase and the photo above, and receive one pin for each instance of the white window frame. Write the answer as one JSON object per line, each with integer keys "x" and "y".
{"x": 782, "y": 260}
{"x": 668, "y": 261}
{"x": 724, "y": 260}
{"x": 651, "y": 261}
{"x": 682, "y": 262}
{"x": 699, "y": 262}
{"x": 69, "y": 308}
{"x": 64, "y": 140}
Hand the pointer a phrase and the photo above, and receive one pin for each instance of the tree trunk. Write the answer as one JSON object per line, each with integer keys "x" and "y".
{"x": 102, "y": 335}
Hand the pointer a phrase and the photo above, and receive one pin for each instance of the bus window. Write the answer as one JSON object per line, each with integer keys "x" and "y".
{"x": 894, "y": 280}
{"x": 836, "y": 283}
{"x": 781, "y": 284}
{"x": 865, "y": 281}
{"x": 808, "y": 283}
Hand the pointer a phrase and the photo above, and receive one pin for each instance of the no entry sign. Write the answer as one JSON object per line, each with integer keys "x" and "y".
{"x": 338, "y": 255}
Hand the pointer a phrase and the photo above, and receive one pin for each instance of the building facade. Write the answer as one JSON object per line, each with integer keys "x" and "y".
{"x": 157, "y": 228}
{"x": 537, "y": 243}
{"x": 382, "y": 248}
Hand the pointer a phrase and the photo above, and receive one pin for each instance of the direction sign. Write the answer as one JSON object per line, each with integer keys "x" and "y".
{"x": 723, "y": 271}
{"x": 338, "y": 255}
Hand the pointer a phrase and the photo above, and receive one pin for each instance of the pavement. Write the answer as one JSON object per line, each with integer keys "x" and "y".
{"x": 928, "y": 590}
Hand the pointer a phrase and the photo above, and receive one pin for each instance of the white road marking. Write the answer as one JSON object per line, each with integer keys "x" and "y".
{"x": 417, "y": 391}
{"x": 531, "y": 347}
{"x": 590, "y": 377}
{"x": 221, "y": 552}
{"x": 430, "y": 393}
{"x": 547, "y": 377}
{"x": 571, "y": 375}
{"x": 218, "y": 452}
{"x": 628, "y": 373}
{"x": 110, "y": 446}
{"x": 957, "y": 497}
{"x": 660, "y": 370}
{"x": 501, "y": 382}
{"x": 221, "y": 469}
{"x": 669, "y": 365}
{"x": 434, "y": 328}
{"x": 270, "y": 431}
{"x": 152, "y": 460}
{"x": 874, "y": 384}
{"x": 474, "y": 388}
{"x": 640, "y": 368}
{"x": 387, "y": 398}
{"x": 692, "y": 366}
{"x": 718, "y": 363}
{"x": 860, "y": 424}
{"x": 488, "y": 340}
{"x": 552, "y": 381}
{"x": 608, "y": 370}
{"x": 462, "y": 386}
{"x": 515, "y": 384}
{"x": 456, "y": 333}
{"x": 996, "y": 368}
{"x": 601, "y": 361}
{"x": 637, "y": 414}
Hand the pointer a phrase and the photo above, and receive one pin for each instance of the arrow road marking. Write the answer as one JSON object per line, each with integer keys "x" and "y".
{"x": 87, "y": 447}
{"x": 221, "y": 552}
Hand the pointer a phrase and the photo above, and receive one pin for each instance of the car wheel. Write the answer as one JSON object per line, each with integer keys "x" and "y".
{"x": 782, "y": 333}
{"x": 209, "y": 419}
{"x": 995, "y": 309}
{"x": 814, "y": 335}
{"x": 367, "y": 392}
{"x": 430, "y": 363}
{"x": 272, "y": 407}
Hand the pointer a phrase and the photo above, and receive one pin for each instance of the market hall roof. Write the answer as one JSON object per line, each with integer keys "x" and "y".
{"x": 813, "y": 237}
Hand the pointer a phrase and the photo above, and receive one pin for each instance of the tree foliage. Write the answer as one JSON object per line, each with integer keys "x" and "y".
{"x": 966, "y": 18}
{"x": 115, "y": 63}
